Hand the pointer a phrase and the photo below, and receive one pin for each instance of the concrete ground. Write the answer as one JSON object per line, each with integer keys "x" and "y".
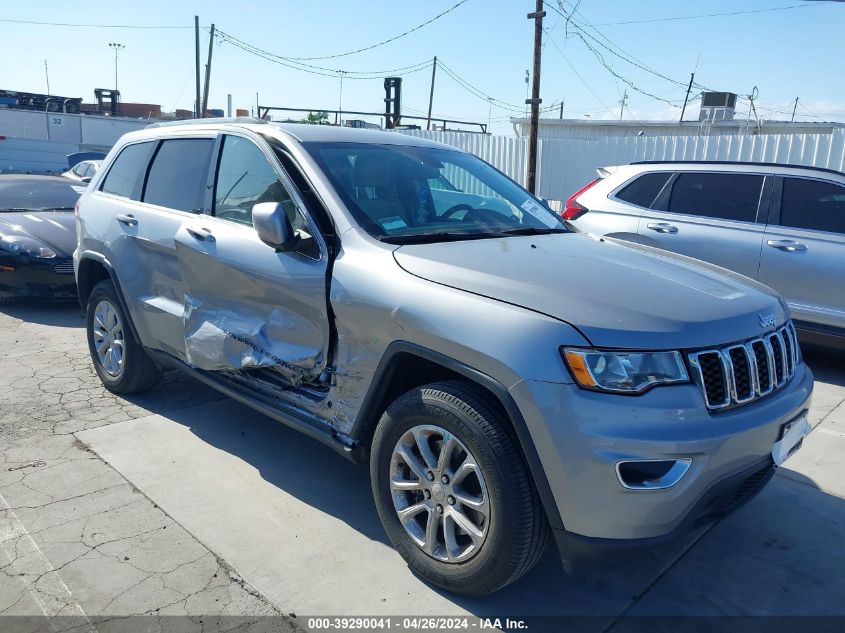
{"x": 182, "y": 502}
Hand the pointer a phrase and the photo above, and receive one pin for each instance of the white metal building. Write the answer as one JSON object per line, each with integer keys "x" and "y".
{"x": 589, "y": 129}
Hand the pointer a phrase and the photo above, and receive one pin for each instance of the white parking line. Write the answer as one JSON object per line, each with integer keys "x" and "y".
{"x": 52, "y": 594}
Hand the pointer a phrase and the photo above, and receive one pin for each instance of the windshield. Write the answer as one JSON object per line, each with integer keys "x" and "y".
{"x": 403, "y": 194}
{"x": 34, "y": 194}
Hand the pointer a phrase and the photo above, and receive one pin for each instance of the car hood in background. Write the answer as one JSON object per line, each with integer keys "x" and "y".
{"x": 57, "y": 229}
{"x": 616, "y": 295}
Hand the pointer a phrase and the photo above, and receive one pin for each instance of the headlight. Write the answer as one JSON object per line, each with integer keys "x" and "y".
{"x": 624, "y": 372}
{"x": 23, "y": 245}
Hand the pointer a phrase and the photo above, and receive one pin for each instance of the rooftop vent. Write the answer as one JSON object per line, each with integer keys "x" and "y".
{"x": 717, "y": 106}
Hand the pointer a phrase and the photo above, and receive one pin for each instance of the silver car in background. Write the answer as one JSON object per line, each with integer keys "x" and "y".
{"x": 783, "y": 226}
{"x": 399, "y": 300}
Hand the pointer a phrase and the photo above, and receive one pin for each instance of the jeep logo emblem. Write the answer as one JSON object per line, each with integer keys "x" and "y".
{"x": 767, "y": 320}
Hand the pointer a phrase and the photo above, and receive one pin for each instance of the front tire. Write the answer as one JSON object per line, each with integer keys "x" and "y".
{"x": 452, "y": 489}
{"x": 119, "y": 359}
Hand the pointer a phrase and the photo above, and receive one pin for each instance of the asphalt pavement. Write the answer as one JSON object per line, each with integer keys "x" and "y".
{"x": 180, "y": 502}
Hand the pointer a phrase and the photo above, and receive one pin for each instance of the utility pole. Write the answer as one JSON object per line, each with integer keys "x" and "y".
{"x": 489, "y": 112}
{"x": 686, "y": 98}
{"x": 117, "y": 46}
{"x": 794, "y": 108}
{"x": 431, "y": 93}
{"x": 341, "y": 73}
{"x": 561, "y": 109}
{"x": 47, "y": 75}
{"x": 229, "y": 105}
{"x": 197, "y": 102}
{"x": 207, "y": 73}
{"x": 535, "y": 100}
{"x": 623, "y": 102}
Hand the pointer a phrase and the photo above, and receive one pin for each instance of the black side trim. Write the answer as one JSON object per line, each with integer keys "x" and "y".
{"x": 320, "y": 432}
{"x": 380, "y": 382}
{"x": 821, "y": 335}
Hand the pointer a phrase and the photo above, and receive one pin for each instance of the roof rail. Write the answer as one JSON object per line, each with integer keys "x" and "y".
{"x": 233, "y": 119}
{"x": 735, "y": 162}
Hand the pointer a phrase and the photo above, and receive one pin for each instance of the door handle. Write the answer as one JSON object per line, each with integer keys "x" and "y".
{"x": 128, "y": 220}
{"x": 663, "y": 227}
{"x": 788, "y": 246}
{"x": 201, "y": 234}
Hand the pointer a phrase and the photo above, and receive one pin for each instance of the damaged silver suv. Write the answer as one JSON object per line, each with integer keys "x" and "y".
{"x": 507, "y": 380}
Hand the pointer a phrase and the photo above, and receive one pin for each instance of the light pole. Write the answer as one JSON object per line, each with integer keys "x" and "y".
{"x": 340, "y": 73}
{"x": 117, "y": 46}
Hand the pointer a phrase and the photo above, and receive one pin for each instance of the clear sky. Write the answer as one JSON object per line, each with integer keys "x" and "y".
{"x": 789, "y": 53}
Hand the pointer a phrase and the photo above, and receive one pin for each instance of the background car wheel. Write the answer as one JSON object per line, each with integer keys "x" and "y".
{"x": 119, "y": 360}
{"x": 453, "y": 491}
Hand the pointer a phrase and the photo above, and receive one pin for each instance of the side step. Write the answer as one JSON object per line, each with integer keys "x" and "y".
{"x": 276, "y": 409}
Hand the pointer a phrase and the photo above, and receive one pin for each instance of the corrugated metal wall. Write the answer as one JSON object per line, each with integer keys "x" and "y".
{"x": 565, "y": 165}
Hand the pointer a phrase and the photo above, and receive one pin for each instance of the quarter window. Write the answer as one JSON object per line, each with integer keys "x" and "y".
{"x": 178, "y": 174}
{"x": 127, "y": 171}
{"x": 717, "y": 195}
{"x": 813, "y": 204}
{"x": 643, "y": 191}
{"x": 245, "y": 178}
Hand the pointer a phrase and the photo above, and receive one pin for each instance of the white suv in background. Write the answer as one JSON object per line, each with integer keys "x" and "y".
{"x": 783, "y": 226}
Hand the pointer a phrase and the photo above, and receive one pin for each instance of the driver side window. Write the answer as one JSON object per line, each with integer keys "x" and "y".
{"x": 245, "y": 178}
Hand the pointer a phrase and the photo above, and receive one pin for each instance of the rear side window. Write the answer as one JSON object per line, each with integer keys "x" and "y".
{"x": 813, "y": 204}
{"x": 644, "y": 189}
{"x": 717, "y": 195}
{"x": 178, "y": 174}
{"x": 127, "y": 171}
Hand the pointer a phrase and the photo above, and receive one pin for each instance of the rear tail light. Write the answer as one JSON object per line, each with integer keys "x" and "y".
{"x": 76, "y": 209}
{"x": 573, "y": 210}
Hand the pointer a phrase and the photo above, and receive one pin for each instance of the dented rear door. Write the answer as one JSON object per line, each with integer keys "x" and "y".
{"x": 247, "y": 306}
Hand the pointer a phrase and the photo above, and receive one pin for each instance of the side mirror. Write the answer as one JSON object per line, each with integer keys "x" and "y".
{"x": 273, "y": 226}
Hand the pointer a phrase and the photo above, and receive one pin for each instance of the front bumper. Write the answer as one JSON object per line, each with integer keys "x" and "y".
{"x": 580, "y": 436}
{"x": 37, "y": 279}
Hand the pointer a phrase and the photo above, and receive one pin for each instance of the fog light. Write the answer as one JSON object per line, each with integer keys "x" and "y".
{"x": 651, "y": 474}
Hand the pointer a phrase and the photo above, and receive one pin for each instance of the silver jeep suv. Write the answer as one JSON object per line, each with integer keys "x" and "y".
{"x": 507, "y": 380}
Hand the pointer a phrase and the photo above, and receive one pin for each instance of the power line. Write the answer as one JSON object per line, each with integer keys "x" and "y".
{"x": 319, "y": 70}
{"x": 502, "y": 105}
{"x": 709, "y": 15}
{"x": 383, "y": 42}
{"x": 611, "y": 47}
{"x": 94, "y": 26}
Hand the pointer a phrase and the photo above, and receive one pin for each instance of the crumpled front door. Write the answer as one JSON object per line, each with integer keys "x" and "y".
{"x": 247, "y": 306}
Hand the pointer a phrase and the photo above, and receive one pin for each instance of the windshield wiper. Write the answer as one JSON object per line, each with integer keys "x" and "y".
{"x": 533, "y": 230}
{"x": 425, "y": 238}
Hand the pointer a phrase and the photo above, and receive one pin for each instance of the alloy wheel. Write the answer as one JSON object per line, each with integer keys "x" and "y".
{"x": 108, "y": 337}
{"x": 439, "y": 493}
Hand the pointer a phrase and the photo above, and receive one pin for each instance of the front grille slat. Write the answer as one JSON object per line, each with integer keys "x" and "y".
{"x": 738, "y": 374}
{"x": 779, "y": 357}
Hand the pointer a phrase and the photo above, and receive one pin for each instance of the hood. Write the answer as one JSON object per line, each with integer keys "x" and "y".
{"x": 616, "y": 294}
{"x": 57, "y": 229}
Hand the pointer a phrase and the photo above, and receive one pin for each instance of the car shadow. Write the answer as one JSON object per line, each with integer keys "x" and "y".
{"x": 66, "y": 314}
{"x": 601, "y": 588}
{"x": 286, "y": 459}
{"x": 826, "y": 362}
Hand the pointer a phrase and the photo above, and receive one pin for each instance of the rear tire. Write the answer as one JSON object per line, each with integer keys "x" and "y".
{"x": 507, "y": 530}
{"x": 119, "y": 359}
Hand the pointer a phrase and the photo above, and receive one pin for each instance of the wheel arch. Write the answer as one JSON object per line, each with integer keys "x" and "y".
{"x": 406, "y": 365}
{"x": 92, "y": 269}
